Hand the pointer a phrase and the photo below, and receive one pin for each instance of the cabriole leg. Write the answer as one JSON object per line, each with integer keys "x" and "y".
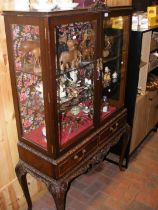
{"x": 125, "y": 139}
{"x": 21, "y": 175}
{"x": 58, "y": 191}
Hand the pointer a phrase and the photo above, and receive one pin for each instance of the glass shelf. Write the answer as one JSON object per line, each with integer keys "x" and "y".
{"x": 107, "y": 60}
{"x": 31, "y": 73}
{"x": 68, "y": 99}
{"x": 59, "y": 72}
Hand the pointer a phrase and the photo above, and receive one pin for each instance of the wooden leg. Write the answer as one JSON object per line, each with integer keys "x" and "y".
{"x": 125, "y": 140}
{"x": 21, "y": 175}
{"x": 58, "y": 191}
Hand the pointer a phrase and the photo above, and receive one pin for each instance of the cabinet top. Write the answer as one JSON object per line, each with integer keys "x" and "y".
{"x": 59, "y": 12}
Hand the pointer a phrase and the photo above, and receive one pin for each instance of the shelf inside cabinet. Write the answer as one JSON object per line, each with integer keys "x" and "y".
{"x": 71, "y": 102}
{"x": 39, "y": 74}
{"x": 82, "y": 66}
{"x": 110, "y": 59}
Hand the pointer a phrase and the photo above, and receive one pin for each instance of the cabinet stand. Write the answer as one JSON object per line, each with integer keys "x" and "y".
{"x": 58, "y": 188}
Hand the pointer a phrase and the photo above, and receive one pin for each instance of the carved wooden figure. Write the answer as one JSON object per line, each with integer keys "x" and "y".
{"x": 33, "y": 48}
{"x": 72, "y": 57}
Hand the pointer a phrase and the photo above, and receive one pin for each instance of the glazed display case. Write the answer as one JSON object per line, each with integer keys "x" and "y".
{"x": 68, "y": 74}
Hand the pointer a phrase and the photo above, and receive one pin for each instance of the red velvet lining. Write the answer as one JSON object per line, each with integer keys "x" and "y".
{"x": 106, "y": 114}
{"x": 67, "y": 135}
{"x": 37, "y": 137}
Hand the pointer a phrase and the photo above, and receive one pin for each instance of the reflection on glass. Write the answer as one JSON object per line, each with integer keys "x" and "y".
{"x": 26, "y": 46}
{"x": 112, "y": 57}
{"x": 75, "y": 46}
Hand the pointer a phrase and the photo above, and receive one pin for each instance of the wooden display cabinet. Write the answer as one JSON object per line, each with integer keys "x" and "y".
{"x": 68, "y": 74}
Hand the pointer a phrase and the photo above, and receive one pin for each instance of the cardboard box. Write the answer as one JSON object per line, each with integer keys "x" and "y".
{"x": 153, "y": 21}
{"x": 117, "y": 23}
{"x": 152, "y": 11}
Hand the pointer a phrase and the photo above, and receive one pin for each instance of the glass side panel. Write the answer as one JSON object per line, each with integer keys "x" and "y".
{"x": 26, "y": 49}
{"x": 112, "y": 65}
{"x": 75, "y": 47}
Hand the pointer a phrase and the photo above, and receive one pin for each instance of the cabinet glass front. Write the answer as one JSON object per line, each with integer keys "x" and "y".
{"x": 75, "y": 50}
{"x": 112, "y": 54}
{"x": 26, "y": 49}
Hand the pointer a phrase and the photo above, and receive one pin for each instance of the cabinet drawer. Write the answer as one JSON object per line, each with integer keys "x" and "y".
{"x": 78, "y": 156}
{"x": 112, "y": 128}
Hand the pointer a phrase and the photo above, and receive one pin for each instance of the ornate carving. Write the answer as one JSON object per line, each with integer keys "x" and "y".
{"x": 58, "y": 191}
{"x": 103, "y": 152}
{"x": 99, "y": 5}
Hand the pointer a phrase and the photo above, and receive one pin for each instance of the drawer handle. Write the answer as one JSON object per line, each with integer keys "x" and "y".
{"x": 114, "y": 128}
{"x": 76, "y": 157}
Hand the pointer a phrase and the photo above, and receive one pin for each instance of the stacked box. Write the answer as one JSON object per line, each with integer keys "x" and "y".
{"x": 152, "y": 12}
{"x": 117, "y": 23}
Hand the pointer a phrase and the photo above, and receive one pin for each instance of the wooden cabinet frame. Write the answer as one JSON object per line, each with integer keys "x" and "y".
{"x": 55, "y": 165}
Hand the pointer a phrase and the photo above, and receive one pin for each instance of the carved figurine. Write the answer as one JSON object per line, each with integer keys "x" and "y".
{"x": 106, "y": 77}
{"x": 108, "y": 43}
{"x": 62, "y": 45}
{"x": 87, "y": 45}
{"x": 71, "y": 58}
{"x": 72, "y": 92}
{"x": 33, "y": 48}
{"x": 115, "y": 77}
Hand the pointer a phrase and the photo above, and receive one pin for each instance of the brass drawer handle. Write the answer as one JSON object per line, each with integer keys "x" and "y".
{"x": 77, "y": 157}
{"x": 114, "y": 128}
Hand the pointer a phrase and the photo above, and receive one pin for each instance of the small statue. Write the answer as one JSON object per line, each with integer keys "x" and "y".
{"x": 115, "y": 77}
{"x": 73, "y": 76}
{"x": 106, "y": 77}
{"x": 62, "y": 90}
{"x": 71, "y": 58}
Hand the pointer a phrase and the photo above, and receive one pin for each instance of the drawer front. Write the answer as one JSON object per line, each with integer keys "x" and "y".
{"x": 78, "y": 156}
{"x": 112, "y": 128}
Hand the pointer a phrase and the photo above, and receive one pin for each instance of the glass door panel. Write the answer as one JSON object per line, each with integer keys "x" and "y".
{"x": 75, "y": 47}
{"x": 26, "y": 50}
{"x": 112, "y": 60}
